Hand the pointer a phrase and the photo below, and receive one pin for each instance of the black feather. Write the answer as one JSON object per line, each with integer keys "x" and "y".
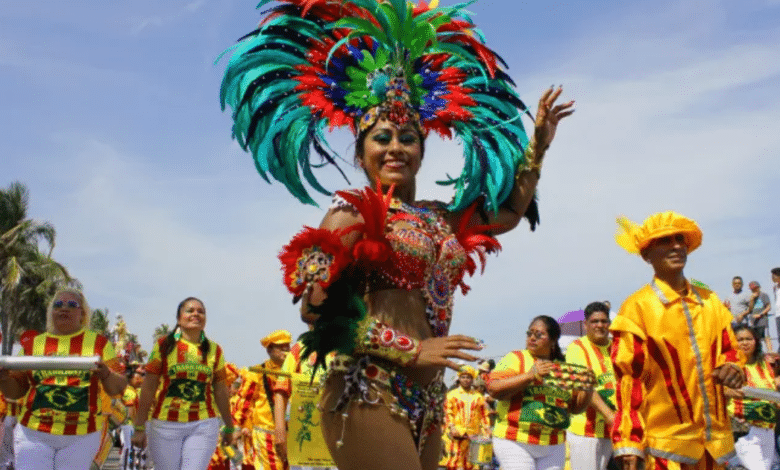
{"x": 263, "y": 79}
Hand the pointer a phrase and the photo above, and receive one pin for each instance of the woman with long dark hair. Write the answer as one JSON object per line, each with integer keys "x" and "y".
{"x": 533, "y": 416}
{"x": 185, "y": 390}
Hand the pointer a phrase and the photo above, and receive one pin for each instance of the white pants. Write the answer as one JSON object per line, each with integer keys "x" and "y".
{"x": 518, "y": 456}
{"x": 125, "y": 434}
{"x": 37, "y": 450}
{"x": 7, "y": 446}
{"x": 182, "y": 446}
{"x": 588, "y": 452}
{"x": 756, "y": 450}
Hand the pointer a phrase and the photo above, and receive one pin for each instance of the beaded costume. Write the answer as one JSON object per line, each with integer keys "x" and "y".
{"x": 317, "y": 64}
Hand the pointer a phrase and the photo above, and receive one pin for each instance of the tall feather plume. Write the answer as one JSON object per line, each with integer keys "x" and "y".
{"x": 314, "y": 64}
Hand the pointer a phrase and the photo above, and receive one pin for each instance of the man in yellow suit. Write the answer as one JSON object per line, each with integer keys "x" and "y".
{"x": 673, "y": 351}
{"x": 466, "y": 416}
{"x": 254, "y": 411}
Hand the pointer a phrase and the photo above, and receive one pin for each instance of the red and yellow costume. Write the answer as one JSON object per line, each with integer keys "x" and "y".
{"x": 465, "y": 413}
{"x": 65, "y": 402}
{"x": 665, "y": 349}
{"x": 759, "y": 413}
{"x": 186, "y": 391}
{"x": 539, "y": 415}
{"x": 596, "y": 358}
{"x": 219, "y": 460}
{"x": 254, "y": 410}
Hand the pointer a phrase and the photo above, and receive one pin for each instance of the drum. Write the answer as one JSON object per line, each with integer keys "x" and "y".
{"x": 480, "y": 450}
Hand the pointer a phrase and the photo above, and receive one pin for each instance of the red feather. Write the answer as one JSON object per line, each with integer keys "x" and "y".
{"x": 293, "y": 257}
{"x": 475, "y": 241}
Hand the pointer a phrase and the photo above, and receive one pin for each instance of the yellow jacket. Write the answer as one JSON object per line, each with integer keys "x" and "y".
{"x": 664, "y": 350}
{"x": 467, "y": 412}
{"x": 254, "y": 402}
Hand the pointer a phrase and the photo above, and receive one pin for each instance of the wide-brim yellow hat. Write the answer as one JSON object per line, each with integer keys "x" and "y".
{"x": 635, "y": 238}
{"x": 276, "y": 337}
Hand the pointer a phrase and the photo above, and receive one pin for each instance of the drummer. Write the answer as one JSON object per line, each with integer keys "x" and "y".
{"x": 466, "y": 416}
{"x": 59, "y": 424}
{"x": 530, "y": 431}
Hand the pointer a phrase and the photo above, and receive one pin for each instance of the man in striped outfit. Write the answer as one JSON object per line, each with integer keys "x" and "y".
{"x": 466, "y": 416}
{"x": 588, "y": 436}
{"x": 254, "y": 413}
{"x": 673, "y": 351}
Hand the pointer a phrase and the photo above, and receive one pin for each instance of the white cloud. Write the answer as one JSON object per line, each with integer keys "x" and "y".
{"x": 161, "y": 19}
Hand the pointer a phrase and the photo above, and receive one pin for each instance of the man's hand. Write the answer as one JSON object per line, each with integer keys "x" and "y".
{"x": 729, "y": 374}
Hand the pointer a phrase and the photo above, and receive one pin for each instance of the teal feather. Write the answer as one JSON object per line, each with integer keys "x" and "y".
{"x": 273, "y": 125}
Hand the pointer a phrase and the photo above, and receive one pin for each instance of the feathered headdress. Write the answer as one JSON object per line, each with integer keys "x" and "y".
{"x": 317, "y": 64}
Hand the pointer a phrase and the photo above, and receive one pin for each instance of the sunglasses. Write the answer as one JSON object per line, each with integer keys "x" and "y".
{"x": 63, "y": 304}
{"x": 535, "y": 334}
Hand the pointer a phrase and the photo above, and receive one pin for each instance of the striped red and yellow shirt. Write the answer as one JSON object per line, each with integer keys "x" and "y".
{"x": 540, "y": 415}
{"x": 186, "y": 390}
{"x": 759, "y": 413}
{"x": 66, "y": 402}
{"x": 664, "y": 350}
{"x": 590, "y": 423}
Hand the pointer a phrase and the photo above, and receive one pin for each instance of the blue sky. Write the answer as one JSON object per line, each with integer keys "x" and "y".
{"x": 110, "y": 116}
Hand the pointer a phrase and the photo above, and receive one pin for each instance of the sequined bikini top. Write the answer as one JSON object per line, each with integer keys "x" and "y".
{"x": 426, "y": 255}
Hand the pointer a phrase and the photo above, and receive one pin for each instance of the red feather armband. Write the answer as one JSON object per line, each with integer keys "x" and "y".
{"x": 377, "y": 339}
{"x": 313, "y": 256}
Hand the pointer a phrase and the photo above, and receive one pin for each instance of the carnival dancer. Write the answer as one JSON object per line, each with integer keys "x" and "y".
{"x": 533, "y": 415}
{"x": 673, "y": 350}
{"x": 184, "y": 389}
{"x": 255, "y": 416}
{"x": 466, "y": 417}
{"x": 382, "y": 269}
{"x": 756, "y": 449}
{"x": 60, "y": 423}
{"x": 588, "y": 437}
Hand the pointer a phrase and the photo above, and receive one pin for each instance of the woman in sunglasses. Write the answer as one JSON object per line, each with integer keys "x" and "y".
{"x": 530, "y": 430}
{"x": 60, "y": 423}
{"x": 185, "y": 390}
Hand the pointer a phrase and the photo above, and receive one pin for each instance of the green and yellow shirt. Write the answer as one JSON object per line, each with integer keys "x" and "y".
{"x": 539, "y": 415}
{"x": 66, "y": 402}
{"x": 186, "y": 390}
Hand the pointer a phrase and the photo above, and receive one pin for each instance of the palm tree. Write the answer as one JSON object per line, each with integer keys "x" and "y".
{"x": 28, "y": 277}
{"x": 99, "y": 321}
{"x": 160, "y": 331}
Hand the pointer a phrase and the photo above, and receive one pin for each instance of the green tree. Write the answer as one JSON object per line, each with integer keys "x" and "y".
{"x": 28, "y": 276}
{"x": 163, "y": 330}
{"x": 99, "y": 321}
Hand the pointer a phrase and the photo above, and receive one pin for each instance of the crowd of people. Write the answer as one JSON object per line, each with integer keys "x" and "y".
{"x": 670, "y": 382}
